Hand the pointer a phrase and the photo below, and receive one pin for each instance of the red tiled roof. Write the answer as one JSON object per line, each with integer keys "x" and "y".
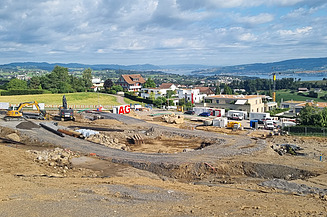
{"x": 205, "y": 90}
{"x": 130, "y": 79}
{"x": 165, "y": 85}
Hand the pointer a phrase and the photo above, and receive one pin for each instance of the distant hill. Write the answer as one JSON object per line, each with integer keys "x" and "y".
{"x": 310, "y": 65}
{"x": 50, "y": 66}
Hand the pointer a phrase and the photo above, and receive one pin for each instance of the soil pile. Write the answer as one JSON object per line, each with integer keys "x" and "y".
{"x": 27, "y": 125}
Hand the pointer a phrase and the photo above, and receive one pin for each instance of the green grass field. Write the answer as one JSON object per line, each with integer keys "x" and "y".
{"x": 56, "y": 99}
{"x": 287, "y": 95}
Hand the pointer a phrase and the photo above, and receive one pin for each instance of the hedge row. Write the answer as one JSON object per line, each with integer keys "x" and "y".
{"x": 23, "y": 92}
{"x": 137, "y": 98}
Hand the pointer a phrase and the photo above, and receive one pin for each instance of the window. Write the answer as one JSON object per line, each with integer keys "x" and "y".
{"x": 217, "y": 101}
{"x": 257, "y": 109}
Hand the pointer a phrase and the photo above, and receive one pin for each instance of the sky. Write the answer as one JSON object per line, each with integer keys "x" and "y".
{"x": 162, "y": 32}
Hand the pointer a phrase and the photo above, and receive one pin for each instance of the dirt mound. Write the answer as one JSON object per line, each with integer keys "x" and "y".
{"x": 27, "y": 125}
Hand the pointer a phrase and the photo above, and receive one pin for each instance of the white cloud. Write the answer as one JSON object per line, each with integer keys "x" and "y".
{"x": 158, "y": 30}
{"x": 296, "y": 32}
{"x": 254, "y": 20}
{"x": 248, "y": 37}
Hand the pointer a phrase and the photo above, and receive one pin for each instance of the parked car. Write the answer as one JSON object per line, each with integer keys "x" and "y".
{"x": 204, "y": 114}
{"x": 190, "y": 112}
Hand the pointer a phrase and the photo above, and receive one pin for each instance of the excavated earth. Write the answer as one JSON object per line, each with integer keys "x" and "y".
{"x": 172, "y": 170}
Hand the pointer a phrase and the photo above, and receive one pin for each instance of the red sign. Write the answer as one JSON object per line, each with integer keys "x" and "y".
{"x": 124, "y": 109}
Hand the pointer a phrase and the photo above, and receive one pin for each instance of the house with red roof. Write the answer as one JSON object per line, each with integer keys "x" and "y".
{"x": 131, "y": 83}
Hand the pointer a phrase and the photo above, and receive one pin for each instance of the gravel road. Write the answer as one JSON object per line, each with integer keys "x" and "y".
{"x": 224, "y": 145}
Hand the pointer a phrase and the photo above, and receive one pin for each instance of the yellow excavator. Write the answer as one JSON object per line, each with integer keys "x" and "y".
{"x": 15, "y": 113}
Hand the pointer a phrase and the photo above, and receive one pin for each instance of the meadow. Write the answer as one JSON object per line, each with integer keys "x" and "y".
{"x": 287, "y": 95}
{"x": 85, "y": 98}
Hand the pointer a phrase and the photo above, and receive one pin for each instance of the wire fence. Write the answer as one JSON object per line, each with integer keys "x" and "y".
{"x": 307, "y": 131}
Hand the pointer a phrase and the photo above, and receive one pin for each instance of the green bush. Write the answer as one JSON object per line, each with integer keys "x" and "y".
{"x": 137, "y": 98}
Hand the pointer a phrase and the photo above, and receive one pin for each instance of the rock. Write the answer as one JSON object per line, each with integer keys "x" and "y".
{"x": 14, "y": 137}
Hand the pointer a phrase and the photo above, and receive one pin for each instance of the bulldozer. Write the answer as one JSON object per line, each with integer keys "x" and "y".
{"x": 15, "y": 113}
{"x": 65, "y": 113}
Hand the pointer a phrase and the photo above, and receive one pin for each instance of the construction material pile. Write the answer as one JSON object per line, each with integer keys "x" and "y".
{"x": 291, "y": 149}
{"x": 107, "y": 141}
{"x": 173, "y": 118}
{"x": 59, "y": 158}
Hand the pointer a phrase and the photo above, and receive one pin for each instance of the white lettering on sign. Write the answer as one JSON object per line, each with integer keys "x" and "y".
{"x": 125, "y": 109}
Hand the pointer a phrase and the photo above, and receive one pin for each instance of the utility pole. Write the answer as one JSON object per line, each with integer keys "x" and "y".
{"x": 274, "y": 86}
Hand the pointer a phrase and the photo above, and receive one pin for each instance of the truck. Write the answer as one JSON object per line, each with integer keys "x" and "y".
{"x": 16, "y": 113}
{"x": 236, "y": 115}
{"x": 260, "y": 116}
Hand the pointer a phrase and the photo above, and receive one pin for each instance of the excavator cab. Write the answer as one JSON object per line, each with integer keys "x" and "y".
{"x": 65, "y": 113}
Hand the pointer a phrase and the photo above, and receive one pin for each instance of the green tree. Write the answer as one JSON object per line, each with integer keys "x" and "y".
{"x": 310, "y": 115}
{"x": 160, "y": 101}
{"x": 108, "y": 84}
{"x": 227, "y": 90}
{"x": 217, "y": 92}
{"x": 117, "y": 88}
{"x": 305, "y": 115}
{"x": 149, "y": 83}
{"x": 87, "y": 78}
{"x": 170, "y": 93}
{"x": 34, "y": 83}
{"x": 152, "y": 96}
{"x": 77, "y": 84}
{"x": 16, "y": 84}
{"x": 58, "y": 77}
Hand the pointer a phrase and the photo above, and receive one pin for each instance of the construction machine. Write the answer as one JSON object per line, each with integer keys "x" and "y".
{"x": 15, "y": 113}
{"x": 65, "y": 113}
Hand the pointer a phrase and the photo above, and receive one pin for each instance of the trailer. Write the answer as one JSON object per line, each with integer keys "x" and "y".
{"x": 220, "y": 122}
{"x": 237, "y": 115}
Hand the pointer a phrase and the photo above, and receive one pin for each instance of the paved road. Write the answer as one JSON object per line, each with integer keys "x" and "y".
{"x": 120, "y": 99}
{"x": 224, "y": 145}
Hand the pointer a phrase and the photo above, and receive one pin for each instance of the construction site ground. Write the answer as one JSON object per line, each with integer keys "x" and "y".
{"x": 176, "y": 170}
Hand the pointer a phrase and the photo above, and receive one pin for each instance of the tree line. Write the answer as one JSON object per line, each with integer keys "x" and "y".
{"x": 57, "y": 81}
{"x": 313, "y": 116}
{"x": 253, "y": 85}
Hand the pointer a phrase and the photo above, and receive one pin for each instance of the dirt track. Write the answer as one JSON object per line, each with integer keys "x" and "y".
{"x": 222, "y": 145}
{"x": 215, "y": 181}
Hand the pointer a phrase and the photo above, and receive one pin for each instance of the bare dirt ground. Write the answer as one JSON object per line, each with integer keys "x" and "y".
{"x": 39, "y": 180}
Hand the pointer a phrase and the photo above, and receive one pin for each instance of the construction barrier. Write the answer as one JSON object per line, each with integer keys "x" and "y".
{"x": 46, "y": 106}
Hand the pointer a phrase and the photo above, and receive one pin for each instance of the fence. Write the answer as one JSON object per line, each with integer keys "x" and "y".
{"x": 306, "y": 131}
{"x": 55, "y": 107}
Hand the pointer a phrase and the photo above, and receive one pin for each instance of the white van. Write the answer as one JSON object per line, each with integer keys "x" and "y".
{"x": 269, "y": 125}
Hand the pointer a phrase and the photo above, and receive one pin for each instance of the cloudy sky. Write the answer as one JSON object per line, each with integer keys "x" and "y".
{"x": 212, "y": 32}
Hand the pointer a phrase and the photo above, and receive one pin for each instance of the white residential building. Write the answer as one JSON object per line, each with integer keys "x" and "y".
{"x": 97, "y": 84}
{"x": 191, "y": 95}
